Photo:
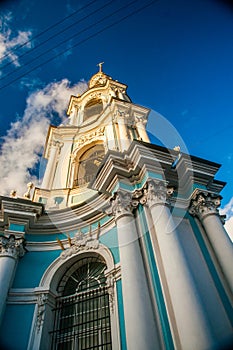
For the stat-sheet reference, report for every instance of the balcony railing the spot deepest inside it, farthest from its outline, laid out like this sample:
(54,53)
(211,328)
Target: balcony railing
(84,180)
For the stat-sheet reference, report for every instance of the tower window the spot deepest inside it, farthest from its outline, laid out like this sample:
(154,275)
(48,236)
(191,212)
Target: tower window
(88,165)
(82,316)
(94,107)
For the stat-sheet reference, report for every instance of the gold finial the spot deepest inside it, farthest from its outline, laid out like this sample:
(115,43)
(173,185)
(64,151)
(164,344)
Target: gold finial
(100,66)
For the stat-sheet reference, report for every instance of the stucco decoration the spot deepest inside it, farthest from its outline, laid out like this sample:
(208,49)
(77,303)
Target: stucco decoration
(41,300)
(79,243)
(89,137)
(110,282)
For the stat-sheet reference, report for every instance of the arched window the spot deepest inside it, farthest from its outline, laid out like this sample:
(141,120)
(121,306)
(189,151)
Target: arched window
(92,108)
(82,315)
(88,165)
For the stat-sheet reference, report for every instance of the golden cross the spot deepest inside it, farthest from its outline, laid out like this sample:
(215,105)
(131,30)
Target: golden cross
(100,66)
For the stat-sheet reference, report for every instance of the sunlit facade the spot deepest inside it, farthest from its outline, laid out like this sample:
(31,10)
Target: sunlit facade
(122,246)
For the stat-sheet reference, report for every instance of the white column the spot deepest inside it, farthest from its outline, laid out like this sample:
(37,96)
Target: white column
(125,141)
(205,207)
(141,128)
(51,165)
(109,130)
(193,331)
(74,115)
(141,330)
(10,250)
(72,170)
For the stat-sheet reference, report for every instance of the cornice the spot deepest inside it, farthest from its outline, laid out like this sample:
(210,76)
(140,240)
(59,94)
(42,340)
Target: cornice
(24,211)
(38,221)
(131,168)
(142,158)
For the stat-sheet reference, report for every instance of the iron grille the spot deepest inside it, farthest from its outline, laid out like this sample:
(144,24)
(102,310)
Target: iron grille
(82,316)
(82,322)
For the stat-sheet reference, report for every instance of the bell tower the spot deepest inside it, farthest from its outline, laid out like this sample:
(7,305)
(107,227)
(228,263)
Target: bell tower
(102,118)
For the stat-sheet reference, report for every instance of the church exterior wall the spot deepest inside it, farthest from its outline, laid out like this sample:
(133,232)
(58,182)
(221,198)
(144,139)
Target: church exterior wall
(148,219)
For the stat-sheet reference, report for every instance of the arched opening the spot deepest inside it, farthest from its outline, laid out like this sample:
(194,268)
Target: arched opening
(82,313)
(92,108)
(88,165)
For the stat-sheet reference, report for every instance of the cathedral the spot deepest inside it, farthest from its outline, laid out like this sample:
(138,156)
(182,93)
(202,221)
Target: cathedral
(122,246)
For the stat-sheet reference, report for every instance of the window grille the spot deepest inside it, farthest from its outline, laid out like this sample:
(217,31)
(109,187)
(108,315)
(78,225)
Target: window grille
(82,316)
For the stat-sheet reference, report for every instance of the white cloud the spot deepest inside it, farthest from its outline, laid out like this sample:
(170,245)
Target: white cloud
(23,144)
(10,40)
(229,227)
(228,211)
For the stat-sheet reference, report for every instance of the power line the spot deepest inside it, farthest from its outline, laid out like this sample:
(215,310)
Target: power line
(64,41)
(51,37)
(81,42)
(46,30)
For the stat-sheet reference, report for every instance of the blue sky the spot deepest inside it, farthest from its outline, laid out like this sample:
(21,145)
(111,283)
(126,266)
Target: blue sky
(176,56)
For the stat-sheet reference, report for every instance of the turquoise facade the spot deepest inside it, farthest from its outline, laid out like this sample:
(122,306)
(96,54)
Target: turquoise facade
(123,246)
(19,318)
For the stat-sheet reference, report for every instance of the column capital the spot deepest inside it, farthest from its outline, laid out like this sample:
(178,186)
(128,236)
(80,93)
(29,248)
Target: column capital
(57,144)
(122,204)
(140,119)
(156,193)
(121,116)
(204,204)
(12,247)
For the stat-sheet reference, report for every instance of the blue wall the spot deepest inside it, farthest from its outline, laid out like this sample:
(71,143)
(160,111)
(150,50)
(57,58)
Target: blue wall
(16,327)
(32,266)
(110,240)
